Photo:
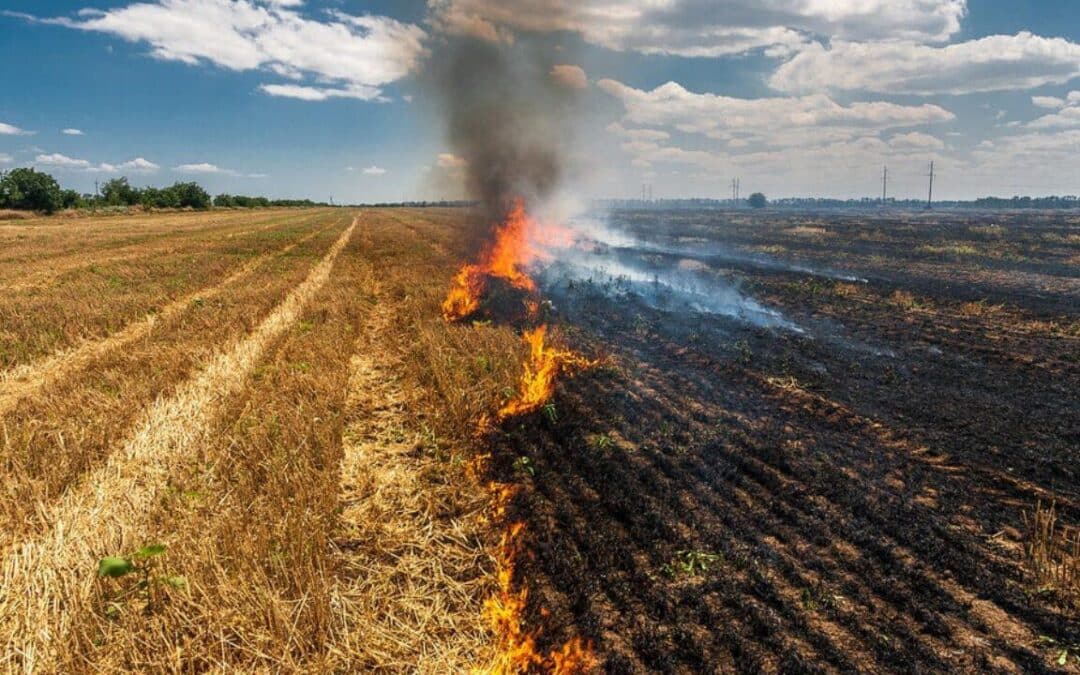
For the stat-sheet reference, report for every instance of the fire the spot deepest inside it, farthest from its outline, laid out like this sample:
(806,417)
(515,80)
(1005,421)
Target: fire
(543,367)
(516,648)
(518,242)
(505,259)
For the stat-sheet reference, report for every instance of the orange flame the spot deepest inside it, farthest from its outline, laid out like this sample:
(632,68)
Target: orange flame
(543,367)
(516,645)
(505,259)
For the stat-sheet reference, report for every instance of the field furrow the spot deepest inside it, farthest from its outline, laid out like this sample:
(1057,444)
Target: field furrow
(70,426)
(22,381)
(47,579)
(409,593)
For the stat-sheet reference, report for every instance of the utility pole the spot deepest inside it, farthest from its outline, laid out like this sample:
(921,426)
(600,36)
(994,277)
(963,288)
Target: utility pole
(930,196)
(884,185)
(738,189)
(650,193)
(643,194)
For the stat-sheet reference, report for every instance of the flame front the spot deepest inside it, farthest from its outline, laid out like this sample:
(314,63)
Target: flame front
(541,370)
(505,612)
(505,259)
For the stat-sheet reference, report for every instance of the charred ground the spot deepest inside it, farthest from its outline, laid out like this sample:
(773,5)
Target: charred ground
(852,498)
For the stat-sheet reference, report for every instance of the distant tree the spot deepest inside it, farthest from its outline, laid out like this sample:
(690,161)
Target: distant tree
(160,198)
(71,199)
(224,201)
(757,200)
(118,192)
(30,190)
(191,195)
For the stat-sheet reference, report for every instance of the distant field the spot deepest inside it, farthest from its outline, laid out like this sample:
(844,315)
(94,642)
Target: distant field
(847,486)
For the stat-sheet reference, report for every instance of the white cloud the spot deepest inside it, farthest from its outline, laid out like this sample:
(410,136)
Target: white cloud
(62,161)
(5,159)
(10,130)
(374,171)
(702,28)
(447,160)
(916,141)
(350,55)
(139,164)
(204,168)
(305,93)
(569,76)
(1067,115)
(1049,102)
(994,63)
(72,132)
(777,122)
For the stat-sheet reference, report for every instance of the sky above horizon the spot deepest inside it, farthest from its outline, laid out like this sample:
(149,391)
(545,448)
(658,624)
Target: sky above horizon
(313,98)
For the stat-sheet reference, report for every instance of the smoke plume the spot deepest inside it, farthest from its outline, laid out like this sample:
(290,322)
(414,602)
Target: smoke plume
(507,112)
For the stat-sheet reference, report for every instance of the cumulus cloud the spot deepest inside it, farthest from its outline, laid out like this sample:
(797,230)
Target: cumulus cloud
(62,162)
(349,55)
(779,122)
(72,132)
(702,28)
(994,63)
(916,141)
(374,171)
(569,76)
(305,93)
(1067,115)
(11,130)
(204,168)
(140,165)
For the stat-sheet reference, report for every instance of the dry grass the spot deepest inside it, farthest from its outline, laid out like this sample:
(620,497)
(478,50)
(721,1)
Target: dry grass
(8,214)
(301,440)
(72,420)
(1053,552)
(22,381)
(46,583)
(93,300)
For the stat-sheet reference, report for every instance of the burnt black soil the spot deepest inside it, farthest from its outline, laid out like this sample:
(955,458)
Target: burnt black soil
(727,498)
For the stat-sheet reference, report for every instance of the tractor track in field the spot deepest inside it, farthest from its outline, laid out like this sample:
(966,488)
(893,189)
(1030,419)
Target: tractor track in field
(46,579)
(410,574)
(26,380)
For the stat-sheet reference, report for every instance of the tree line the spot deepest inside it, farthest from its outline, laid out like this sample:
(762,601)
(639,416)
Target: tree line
(32,190)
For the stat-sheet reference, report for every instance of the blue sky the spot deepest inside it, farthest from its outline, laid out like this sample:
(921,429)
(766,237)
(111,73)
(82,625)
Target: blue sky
(312,98)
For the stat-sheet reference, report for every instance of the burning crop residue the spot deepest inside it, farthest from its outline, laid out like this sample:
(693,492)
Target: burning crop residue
(505,611)
(505,260)
(498,286)
(541,370)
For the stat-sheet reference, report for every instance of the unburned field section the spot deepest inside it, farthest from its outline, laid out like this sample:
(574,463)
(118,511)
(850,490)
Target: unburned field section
(722,497)
(53,437)
(61,243)
(277,578)
(92,299)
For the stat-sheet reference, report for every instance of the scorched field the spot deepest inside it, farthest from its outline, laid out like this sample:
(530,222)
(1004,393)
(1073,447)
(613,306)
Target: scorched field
(643,441)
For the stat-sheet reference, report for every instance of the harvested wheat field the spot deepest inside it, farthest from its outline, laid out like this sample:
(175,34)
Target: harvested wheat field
(311,440)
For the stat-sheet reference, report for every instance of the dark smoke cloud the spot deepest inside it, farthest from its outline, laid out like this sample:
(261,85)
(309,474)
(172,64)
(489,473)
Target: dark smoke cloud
(505,114)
